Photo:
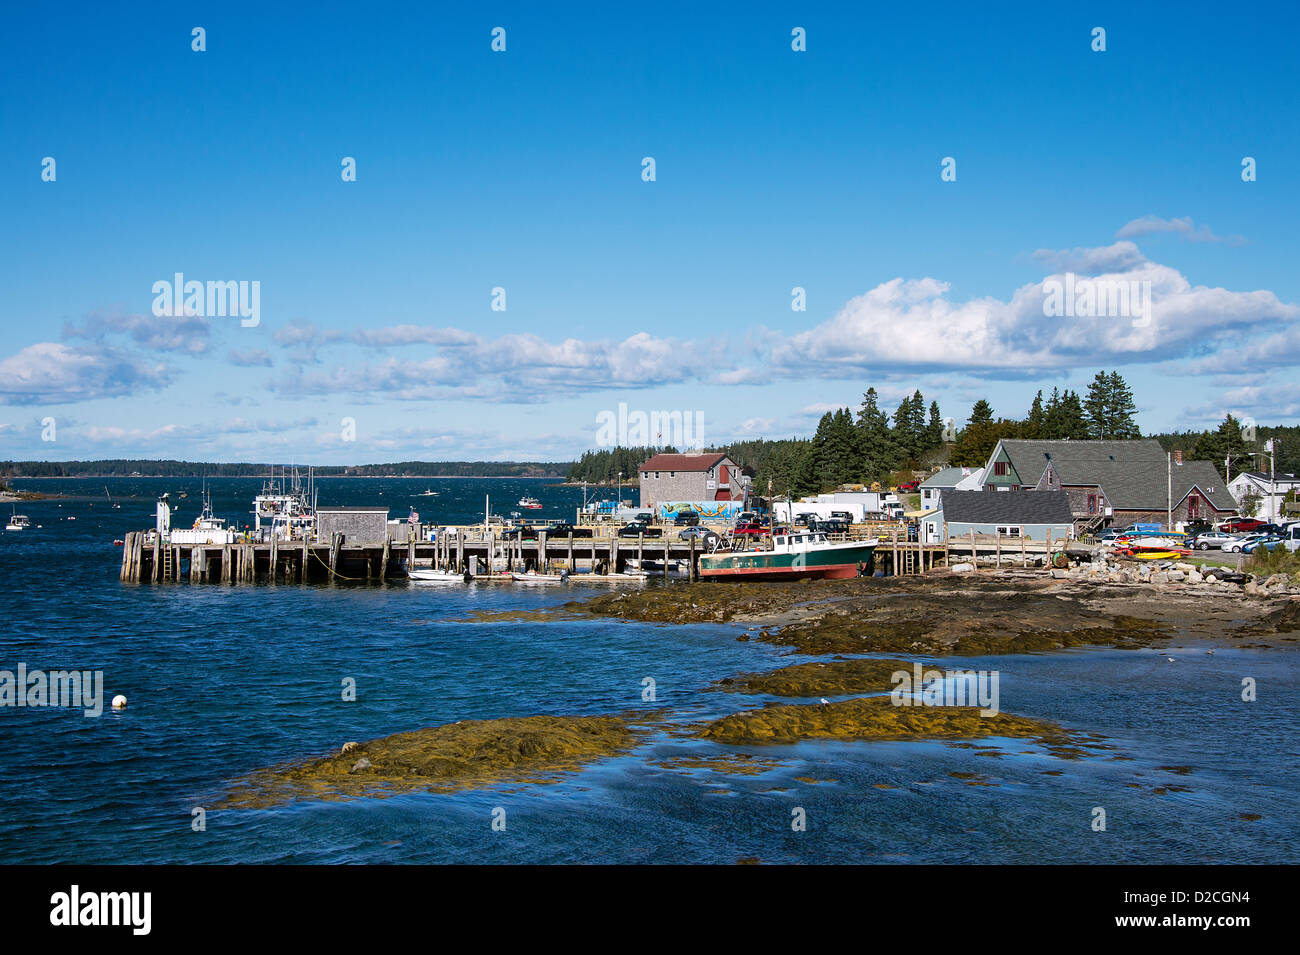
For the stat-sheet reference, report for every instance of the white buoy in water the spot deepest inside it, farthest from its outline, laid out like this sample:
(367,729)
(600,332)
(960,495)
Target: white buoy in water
(119,702)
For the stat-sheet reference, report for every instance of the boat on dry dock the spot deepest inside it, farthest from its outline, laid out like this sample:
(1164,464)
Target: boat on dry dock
(791,557)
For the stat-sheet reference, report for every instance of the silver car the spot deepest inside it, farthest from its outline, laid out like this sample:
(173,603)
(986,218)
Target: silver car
(1213,539)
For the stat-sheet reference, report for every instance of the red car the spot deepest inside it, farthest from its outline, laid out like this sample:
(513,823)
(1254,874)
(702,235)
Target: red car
(908,488)
(1241,525)
(749,529)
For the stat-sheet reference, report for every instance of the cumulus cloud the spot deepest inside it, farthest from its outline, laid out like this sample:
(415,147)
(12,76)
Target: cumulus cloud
(1120,257)
(184,333)
(303,340)
(54,373)
(515,368)
(915,324)
(1150,225)
(252,358)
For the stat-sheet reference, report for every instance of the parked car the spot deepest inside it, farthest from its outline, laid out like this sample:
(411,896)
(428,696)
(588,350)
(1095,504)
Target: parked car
(564,529)
(1269,529)
(746,517)
(802,518)
(698,532)
(645,517)
(637,529)
(1262,542)
(1211,539)
(908,488)
(522,531)
(828,525)
(1239,545)
(686,519)
(1240,525)
(844,516)
(752,529)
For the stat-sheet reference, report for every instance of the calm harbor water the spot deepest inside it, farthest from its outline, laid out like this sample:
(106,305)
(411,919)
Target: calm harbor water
(225,680)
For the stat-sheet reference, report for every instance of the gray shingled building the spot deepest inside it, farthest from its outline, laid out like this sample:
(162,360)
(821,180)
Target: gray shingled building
(1115,482)
(1031,515)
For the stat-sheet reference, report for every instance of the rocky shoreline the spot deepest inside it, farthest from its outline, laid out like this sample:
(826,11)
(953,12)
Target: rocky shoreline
(941,615)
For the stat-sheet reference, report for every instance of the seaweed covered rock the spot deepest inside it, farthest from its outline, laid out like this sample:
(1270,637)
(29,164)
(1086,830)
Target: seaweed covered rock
(872,718)
(832,678)
(441,758)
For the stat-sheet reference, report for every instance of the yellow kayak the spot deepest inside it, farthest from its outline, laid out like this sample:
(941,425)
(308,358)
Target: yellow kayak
(1157,555)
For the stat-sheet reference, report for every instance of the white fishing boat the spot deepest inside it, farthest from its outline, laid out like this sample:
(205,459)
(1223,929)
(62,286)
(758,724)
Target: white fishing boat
(286,507)
(427,493)
(535,578)
(531,503)
(18,522)
(206,529)
(430,576)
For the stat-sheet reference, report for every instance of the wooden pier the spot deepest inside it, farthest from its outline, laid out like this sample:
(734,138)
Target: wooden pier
(148,557)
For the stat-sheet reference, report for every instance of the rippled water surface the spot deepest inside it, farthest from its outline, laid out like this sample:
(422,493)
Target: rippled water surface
(225,680)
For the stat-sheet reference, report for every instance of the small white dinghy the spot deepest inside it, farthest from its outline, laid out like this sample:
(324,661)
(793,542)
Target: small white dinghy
(535,578)
(439,576)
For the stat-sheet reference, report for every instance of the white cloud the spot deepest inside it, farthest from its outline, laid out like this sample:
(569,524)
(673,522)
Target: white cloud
(189,334)
(252,358)
(54,373)
(514,368)
(1149,225)
(914,324)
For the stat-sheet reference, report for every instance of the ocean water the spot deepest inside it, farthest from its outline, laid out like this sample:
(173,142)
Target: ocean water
(226,680)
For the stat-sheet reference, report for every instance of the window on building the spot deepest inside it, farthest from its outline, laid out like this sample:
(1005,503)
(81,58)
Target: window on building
(672,474)
(1092,503)
(1001,468)
(1193,507)
(1009,530)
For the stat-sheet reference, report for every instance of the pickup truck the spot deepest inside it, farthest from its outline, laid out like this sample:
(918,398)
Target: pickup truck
(637,529)
(686,518)
(753,529)
(558,529)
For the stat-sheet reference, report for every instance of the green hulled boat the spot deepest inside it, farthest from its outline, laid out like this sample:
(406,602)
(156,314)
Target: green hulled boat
(791,557)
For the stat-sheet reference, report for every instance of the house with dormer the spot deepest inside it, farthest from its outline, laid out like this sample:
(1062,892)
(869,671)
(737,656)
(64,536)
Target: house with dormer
(1113,482)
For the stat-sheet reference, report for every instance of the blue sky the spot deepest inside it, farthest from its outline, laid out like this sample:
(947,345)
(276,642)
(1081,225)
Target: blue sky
(523,170)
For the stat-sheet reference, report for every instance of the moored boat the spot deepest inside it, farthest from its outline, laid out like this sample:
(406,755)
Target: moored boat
(428,575)
(531,503)
(535,578)
(18,522)
(791,557)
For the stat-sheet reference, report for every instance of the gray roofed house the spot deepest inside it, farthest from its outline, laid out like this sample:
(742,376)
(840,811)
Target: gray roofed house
(948,479)
(1121,480)
(1032,515)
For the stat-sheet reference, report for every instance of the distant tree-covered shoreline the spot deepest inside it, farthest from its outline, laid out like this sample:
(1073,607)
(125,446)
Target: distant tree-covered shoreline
(179,469)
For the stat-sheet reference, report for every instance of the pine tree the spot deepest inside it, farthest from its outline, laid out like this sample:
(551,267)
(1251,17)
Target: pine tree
(1222,444)
(1036,416)
(1110,408)
(879,453)
(981,413)
(934,430)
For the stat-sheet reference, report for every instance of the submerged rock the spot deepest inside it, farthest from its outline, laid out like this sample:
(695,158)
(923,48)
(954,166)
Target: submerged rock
(440,759)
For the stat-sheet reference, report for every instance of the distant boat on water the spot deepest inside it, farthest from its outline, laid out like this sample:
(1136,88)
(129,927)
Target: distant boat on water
(531,503)
(427,493)
(18,522)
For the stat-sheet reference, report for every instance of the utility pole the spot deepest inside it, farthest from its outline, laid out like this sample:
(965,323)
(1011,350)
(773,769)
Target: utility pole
(1270,447)
(1169,513)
